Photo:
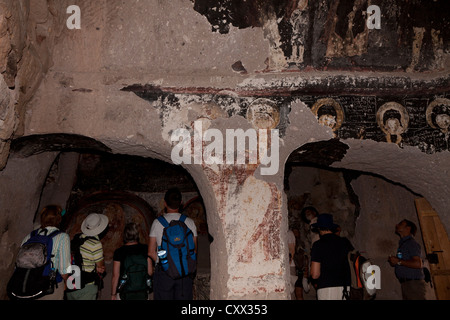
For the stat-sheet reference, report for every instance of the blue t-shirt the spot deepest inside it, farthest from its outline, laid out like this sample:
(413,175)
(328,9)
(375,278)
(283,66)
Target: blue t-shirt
(407,249)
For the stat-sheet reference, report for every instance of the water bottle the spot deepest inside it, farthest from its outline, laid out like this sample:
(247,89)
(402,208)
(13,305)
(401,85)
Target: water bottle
(399,255)
(162,255)
(122,282)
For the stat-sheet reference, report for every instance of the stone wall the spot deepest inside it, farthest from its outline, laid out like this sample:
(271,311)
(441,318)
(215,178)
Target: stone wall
(138,70)
(327,191)
(21,183)
(28,30)
(383,205)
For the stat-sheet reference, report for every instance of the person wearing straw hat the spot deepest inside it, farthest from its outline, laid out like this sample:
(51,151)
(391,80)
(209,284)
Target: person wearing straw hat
(92,253)
(329,263)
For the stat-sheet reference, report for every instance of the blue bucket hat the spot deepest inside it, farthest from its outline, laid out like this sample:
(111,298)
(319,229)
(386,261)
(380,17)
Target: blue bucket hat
(325,221)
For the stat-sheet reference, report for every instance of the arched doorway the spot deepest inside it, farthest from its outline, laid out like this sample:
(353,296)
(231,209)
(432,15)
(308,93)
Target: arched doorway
(131,189)
(83,176)
(365,204)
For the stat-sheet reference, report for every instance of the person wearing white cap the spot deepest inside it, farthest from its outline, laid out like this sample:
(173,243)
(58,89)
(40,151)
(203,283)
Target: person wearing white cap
(92,254)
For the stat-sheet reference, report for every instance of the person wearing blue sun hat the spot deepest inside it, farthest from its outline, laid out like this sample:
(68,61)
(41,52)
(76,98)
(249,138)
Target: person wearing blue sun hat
(329,262)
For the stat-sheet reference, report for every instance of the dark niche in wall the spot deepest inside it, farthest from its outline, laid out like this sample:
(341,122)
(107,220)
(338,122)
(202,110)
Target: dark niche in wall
(106,173)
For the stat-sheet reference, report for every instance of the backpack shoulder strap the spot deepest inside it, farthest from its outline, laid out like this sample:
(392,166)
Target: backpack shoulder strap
(183,218)
(42,232)
(79,240)
(74,243)
(54,233)
(352,260)
(358,266)
(163,221)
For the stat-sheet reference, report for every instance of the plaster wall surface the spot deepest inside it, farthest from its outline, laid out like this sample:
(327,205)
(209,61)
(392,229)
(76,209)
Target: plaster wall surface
(423,174)
(27,33)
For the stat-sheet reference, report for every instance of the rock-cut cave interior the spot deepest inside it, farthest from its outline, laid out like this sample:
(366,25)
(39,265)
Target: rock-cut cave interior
(361,116)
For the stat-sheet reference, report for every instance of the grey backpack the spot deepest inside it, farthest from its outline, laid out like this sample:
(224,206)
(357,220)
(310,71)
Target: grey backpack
(34,275)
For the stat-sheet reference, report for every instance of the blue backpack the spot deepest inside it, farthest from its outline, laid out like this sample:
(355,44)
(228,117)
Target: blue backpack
(34,275)
(178,242)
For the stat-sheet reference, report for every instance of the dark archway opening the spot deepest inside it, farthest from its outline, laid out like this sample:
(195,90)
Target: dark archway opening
(131,189)
(365,205)
(86,177)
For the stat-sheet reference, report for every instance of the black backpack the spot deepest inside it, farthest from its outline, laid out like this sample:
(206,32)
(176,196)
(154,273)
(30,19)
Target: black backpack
(34,275)
(135,278)
(77,260)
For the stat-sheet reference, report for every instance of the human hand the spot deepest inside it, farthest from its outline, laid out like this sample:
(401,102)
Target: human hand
(393,260)
(101,269)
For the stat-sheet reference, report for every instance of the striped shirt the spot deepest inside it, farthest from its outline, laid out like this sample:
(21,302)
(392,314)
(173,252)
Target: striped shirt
(92,252)
(61,257)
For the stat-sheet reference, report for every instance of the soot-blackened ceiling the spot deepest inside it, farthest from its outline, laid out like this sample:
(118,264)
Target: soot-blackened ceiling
(406,108)
(58,142)
(332,34)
